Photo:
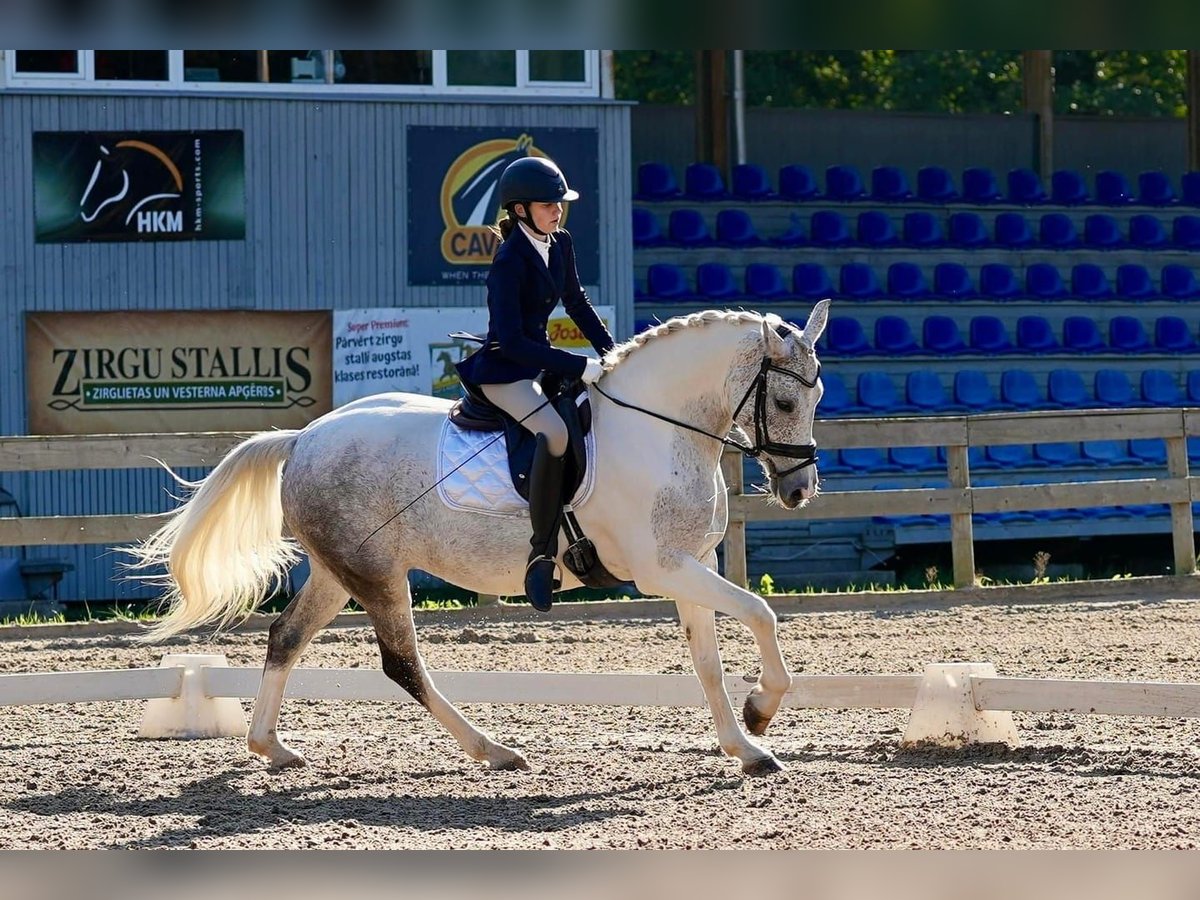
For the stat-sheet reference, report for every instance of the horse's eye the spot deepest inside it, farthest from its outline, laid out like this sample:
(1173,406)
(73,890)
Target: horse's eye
(784,406)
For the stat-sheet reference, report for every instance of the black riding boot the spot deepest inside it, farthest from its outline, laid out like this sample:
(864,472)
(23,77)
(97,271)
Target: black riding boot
(545,514)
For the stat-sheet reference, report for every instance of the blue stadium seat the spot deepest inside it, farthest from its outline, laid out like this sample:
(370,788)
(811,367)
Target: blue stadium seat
(1107,453)
(868,459)
(1043,282)
(656,181)
(1147,232)
(736,229)
(1161,388)
(973,392)
(1102,232)
(764,282)
(916,459)
(988,335)
(1154,189)
(1186,232)
(1179,282)
(1024,186)
(889,184)
(1134,282)
(858,280)
(831,460)
(1089,282)
(940,334)
(703,181)
(646,230)
(922,229)
(952,280)
(1034,335)
(906,280)
(1067,188)
(1080,335)
(998,281)
(979,185)
(1126,335)
(926,393)
(1172,335)
(1150,451)
(1190,188)
(877,393)
(796,182)
(751,182)
(875,229)
(844,183)
(936,185)
(1193,387)
(829,228)
(666,281)
(1059,453)
(795,235)
(836,399)
(1065,388)
(1114,389)
(894,337)
(1013,456)
(1112,188)
(811,281)
(1012,230)
(845,337)
(715,281)
(968,231)
(687,228)
(1058,232)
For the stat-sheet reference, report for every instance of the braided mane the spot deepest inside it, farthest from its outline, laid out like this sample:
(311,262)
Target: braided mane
(679,323)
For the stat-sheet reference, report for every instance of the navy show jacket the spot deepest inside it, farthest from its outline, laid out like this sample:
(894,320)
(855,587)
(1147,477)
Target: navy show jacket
(522,292)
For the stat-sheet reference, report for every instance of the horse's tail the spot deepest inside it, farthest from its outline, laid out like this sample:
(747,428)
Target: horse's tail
(224,548)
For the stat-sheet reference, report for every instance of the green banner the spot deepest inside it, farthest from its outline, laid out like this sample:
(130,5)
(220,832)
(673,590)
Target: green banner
(152,395)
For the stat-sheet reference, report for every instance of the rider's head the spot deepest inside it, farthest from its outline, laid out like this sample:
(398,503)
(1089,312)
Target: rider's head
(533,187)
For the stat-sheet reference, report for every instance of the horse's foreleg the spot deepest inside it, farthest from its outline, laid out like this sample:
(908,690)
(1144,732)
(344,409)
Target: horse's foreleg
(313,608)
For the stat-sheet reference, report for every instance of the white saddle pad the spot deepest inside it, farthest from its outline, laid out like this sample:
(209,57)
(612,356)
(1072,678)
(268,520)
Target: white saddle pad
(473,473)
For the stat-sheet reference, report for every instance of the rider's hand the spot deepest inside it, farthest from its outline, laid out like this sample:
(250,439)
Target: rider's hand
(592,371)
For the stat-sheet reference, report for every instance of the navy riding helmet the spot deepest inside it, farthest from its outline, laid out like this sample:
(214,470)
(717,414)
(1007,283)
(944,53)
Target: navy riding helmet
(533,179)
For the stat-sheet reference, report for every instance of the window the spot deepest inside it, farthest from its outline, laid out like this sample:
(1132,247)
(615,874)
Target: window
(131,65)
(556,65)
(47,62)
(220,65)
(387,66)
(497,68)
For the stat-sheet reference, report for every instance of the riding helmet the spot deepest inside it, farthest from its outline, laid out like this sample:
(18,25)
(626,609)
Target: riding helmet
(534,179)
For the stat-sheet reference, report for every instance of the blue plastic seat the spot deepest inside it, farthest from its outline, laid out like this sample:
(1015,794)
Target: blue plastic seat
(836,399)
(1043,282)
(1058,232)
(1193,387)
(859,280)
(1080,335)
(988,335)
(1034,335)
(845,337)
(889,184)
(1112,188)
(1185,232)
(1147,232)
(646,230)
(666,281)
(1179,282)
(940,334)
(922,229)
(1114,389)
(868,459)
(1089,282)
(736,229)
(829,228)
(1126,335)
(894,337)
(795,235)
(875,229)
(687,228)
(952,280)
(765,282)
(936,185)
(844,183)
(1150,451)
(1107,453)
(1065,388)
(751,182)
(796,182)
(968,231)
(1060,453)
(656,181)
(1012,456)
(1134,282)
(811,281)
(998,281)
(1067,188)
(1172,335)
(906,280)
(1024,186)
(877,393)
(915,459)
(715,281)
(1102,232)
(926,392)
(973,392)
(1161,388)
(1012,230)
(1154,189)
(979,185)
(1189,186)
(703,181)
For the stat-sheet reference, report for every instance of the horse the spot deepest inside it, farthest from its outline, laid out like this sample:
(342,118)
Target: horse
(110,182)
(658,511)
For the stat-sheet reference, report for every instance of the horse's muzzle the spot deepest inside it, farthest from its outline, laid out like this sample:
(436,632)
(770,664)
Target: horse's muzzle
(798,488)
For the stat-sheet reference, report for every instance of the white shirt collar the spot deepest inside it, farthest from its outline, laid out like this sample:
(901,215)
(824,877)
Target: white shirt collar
(541,245)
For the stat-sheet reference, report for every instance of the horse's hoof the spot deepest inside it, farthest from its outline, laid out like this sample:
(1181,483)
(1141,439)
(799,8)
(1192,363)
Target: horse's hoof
(288,761)
(756,722)
(764,765)
(513,762)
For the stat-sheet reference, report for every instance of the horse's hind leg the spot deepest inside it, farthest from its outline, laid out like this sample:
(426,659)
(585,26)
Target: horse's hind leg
(391,614)
(312,609)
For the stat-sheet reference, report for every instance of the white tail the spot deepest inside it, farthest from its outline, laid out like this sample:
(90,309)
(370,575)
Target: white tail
(224,548)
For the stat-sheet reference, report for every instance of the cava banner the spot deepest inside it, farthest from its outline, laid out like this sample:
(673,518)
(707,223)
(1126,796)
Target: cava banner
(111,372)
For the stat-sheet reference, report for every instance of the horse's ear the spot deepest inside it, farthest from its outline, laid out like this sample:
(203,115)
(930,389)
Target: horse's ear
(815,326)
(775,336)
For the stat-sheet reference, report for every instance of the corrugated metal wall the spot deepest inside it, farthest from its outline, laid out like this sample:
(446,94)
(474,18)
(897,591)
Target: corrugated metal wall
(326,228)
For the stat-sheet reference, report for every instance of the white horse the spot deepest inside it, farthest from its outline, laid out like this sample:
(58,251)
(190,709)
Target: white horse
(656,515)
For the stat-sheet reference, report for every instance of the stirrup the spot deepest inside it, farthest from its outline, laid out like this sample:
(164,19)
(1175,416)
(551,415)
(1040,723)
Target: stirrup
(542,604)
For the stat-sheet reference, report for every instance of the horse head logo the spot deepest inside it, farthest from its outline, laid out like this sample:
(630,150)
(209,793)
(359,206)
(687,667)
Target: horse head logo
(119,184)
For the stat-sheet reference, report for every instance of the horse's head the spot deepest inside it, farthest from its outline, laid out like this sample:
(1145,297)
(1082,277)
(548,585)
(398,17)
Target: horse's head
(108,184)
(787,404)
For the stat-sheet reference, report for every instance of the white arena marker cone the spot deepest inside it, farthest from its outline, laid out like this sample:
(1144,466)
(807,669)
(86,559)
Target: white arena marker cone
(944,712)
(193,714)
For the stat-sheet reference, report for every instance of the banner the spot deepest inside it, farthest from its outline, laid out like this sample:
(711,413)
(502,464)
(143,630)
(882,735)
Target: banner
(452,198)
(380,350)
(220,370)
(138,186)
